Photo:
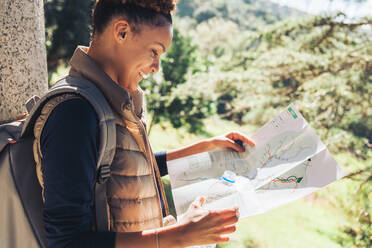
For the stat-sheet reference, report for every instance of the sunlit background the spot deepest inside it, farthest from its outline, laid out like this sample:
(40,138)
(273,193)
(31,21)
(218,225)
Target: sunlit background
(353,9)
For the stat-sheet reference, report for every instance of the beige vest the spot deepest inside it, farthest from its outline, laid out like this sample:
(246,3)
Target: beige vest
(132,190)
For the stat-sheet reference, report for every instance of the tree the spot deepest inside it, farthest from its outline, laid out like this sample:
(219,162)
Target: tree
(320,63)
(204,13)
(67,25)
(22,54)
(323,65)
(169,97)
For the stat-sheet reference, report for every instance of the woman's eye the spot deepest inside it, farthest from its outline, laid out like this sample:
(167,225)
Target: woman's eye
(155,53)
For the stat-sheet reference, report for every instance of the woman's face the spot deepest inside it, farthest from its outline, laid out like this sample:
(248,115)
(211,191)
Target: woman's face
(138,54)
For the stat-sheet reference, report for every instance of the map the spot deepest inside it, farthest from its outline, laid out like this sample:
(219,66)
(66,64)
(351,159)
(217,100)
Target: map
(292,179)
(288,162)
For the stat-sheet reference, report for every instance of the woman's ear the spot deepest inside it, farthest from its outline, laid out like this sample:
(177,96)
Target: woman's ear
(121,30)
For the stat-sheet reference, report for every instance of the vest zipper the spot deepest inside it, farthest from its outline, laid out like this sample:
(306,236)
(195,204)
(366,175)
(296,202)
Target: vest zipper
(150,159)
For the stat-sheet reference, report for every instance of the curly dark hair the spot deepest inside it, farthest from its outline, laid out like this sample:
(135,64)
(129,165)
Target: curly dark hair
(157,13)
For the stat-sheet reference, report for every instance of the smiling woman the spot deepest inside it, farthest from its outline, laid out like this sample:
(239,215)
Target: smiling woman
(128,39)
(128,55)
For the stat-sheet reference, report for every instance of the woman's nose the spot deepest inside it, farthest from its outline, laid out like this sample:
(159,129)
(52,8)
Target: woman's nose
(155,66)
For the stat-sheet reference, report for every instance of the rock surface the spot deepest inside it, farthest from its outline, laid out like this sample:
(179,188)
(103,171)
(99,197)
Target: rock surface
(23,68)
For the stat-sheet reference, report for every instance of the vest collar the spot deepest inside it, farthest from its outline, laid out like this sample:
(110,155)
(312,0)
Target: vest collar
(120,99)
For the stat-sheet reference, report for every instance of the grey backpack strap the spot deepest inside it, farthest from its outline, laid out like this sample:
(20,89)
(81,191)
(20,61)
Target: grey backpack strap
(107,127)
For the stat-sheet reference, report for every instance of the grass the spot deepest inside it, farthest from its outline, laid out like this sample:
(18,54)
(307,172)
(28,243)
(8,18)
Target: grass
(302,223)
(315,221)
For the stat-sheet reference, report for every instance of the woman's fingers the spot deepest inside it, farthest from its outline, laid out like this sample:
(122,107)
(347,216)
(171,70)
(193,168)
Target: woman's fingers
(230,220)
(199,201)
(225,216)
(227,230)
(222,239)
(227,212)
(212,227)
(230,141)
(231,144)
(239,136)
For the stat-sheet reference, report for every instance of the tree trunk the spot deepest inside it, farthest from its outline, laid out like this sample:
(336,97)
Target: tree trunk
(23,69)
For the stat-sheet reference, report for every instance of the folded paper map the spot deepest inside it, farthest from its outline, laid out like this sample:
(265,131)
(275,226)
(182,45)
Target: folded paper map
(288,162)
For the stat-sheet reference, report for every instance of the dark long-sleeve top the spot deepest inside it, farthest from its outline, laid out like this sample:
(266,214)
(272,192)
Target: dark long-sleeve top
(69,144)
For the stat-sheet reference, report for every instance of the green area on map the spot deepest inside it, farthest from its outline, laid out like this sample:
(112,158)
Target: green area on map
(292,113)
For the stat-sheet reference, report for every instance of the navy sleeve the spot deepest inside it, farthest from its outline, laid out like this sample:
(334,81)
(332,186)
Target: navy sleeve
(69,144)
(161,160)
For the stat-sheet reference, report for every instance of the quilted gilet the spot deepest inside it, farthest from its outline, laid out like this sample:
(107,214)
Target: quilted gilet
(132,190)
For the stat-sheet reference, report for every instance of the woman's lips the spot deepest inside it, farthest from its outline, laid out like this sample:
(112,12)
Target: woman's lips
(143,75)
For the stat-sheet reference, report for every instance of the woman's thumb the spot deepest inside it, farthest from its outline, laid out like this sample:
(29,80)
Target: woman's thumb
(199,201)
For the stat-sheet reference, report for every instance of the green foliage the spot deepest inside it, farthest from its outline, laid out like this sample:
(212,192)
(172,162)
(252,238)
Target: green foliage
(358,207)
(204,13)
(320,63)
(246,13)
(67,24)
(359,235)
(186,8)
(169,97)
(178,60)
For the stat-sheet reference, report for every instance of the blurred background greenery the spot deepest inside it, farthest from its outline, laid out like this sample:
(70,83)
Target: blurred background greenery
(233,65)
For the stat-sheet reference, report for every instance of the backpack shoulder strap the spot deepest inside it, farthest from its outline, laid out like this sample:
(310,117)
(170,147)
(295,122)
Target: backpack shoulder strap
(107,127)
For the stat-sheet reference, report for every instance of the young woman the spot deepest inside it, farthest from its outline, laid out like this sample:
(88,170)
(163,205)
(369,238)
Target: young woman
(128,39)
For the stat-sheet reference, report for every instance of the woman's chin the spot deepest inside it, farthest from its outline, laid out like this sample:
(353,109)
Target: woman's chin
(132,88)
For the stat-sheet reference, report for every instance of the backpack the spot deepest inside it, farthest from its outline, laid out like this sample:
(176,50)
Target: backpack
(21,214)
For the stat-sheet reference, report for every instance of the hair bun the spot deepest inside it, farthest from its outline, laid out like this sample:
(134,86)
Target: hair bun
(164,6)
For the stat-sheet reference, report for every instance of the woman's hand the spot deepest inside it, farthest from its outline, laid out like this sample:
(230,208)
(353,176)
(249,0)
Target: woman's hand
(220,142)
(201,226)
(198,226)
(229,141)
